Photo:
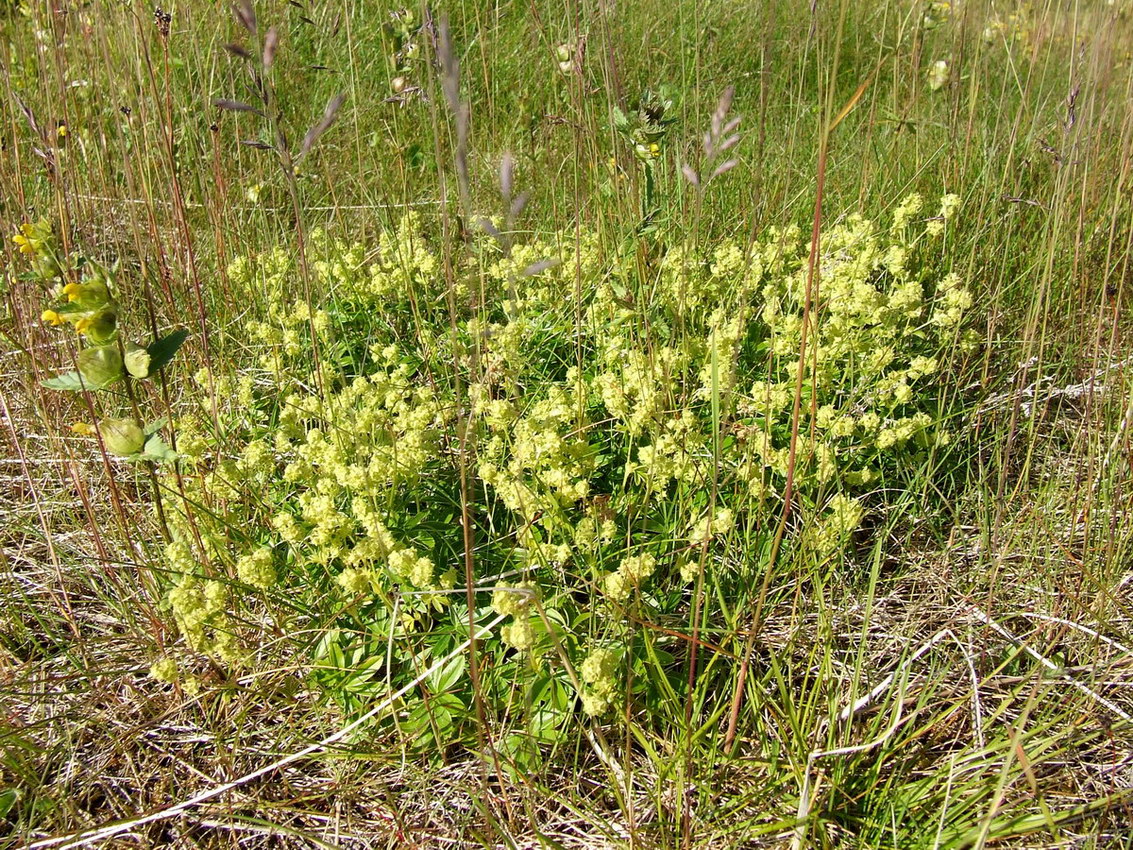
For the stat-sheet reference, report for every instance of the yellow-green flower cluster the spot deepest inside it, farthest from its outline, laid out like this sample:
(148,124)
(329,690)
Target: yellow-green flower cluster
(842,517)
(201,610)
(727,329)
(284,334)
(712,525)
(165,669)
(876,328)
(530,279)
(405,265)
(594,531)
(637,386)
(179,557)
(539,462)
(631,572)
(684,288)
(407,565)
(953,299)
(344,456)
(516,602)
(598,673)
(575,424)
(676,453)
(257,568)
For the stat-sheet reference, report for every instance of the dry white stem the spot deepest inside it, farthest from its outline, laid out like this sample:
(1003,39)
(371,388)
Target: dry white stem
(1093,385)
(1078,627)
(850,710)
(807,795)
(1048,664)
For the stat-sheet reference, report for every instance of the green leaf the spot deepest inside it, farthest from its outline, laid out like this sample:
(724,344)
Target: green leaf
(156,449)
(156,425)
(447,675)
(8,799)
(364,679)
(161,351)
(71,382)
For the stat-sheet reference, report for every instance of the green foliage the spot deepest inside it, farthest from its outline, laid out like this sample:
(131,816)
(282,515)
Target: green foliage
(67,382)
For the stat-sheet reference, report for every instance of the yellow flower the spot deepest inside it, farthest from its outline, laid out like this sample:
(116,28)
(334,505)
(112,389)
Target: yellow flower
(83,429)
(82,324)
(23,240)
(52,317)
(73,291)
(36,241)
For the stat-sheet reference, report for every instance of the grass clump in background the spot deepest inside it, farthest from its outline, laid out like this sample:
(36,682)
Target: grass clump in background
(558,451)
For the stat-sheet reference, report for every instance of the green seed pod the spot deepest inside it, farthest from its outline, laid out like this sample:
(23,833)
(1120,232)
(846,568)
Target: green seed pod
(122,437)
(102,327)
(101,366)
(137,360)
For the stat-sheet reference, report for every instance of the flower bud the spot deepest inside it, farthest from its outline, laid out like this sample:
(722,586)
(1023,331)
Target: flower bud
(564,57)
(122,437)
(398,85)
(137,360)
(100,366)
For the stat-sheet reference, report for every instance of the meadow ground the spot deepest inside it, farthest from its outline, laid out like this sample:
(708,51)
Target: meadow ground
(582,424)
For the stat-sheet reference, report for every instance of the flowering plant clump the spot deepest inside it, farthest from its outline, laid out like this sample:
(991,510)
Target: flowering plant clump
(81,295)
(610,448)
